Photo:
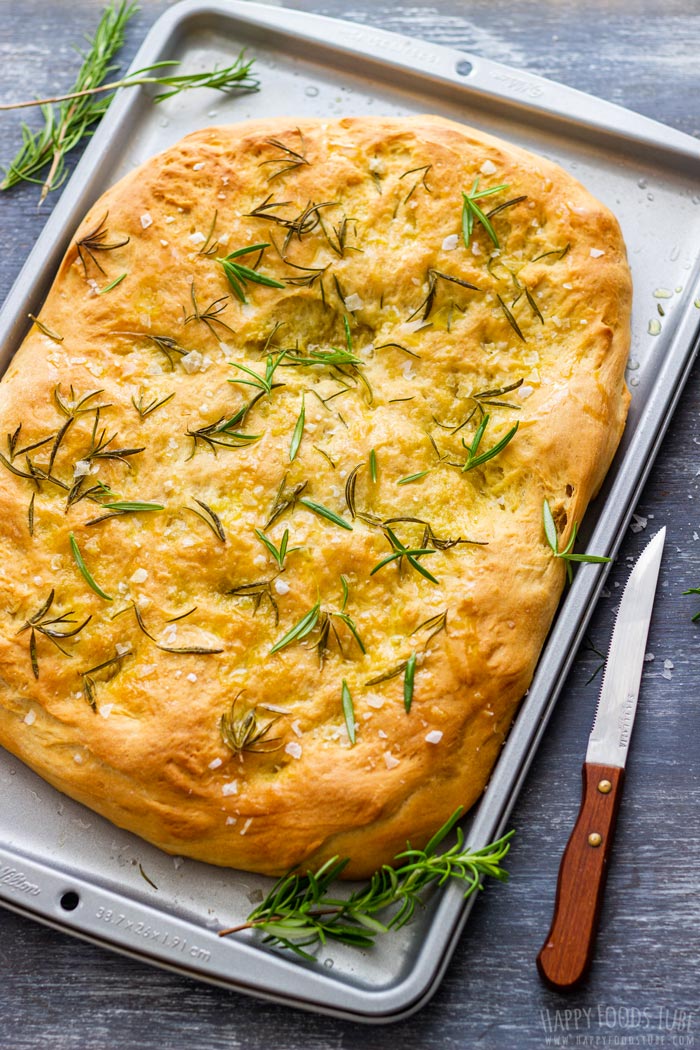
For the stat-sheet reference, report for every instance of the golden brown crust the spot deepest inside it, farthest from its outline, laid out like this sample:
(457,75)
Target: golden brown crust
(363,221)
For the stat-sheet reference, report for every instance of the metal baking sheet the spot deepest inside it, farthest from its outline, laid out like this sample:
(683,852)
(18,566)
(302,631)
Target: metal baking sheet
(60,863)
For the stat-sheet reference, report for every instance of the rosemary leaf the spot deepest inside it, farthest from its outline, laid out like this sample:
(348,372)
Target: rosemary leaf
(298,432)
(408,680)
(324,512)
(80,562)
(300,629)
(348,712)
(112,284)
(566,555)
(373,465)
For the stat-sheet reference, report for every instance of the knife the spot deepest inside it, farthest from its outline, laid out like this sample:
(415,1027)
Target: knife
(566,954)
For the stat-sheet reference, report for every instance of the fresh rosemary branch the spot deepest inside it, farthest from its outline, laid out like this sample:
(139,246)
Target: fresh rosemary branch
(550,531)
(69,118)
(301,910)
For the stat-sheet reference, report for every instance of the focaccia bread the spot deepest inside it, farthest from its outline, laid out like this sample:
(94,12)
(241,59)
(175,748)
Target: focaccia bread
(273,572)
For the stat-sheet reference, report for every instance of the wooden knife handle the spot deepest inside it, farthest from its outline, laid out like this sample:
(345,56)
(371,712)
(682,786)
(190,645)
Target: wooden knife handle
(566,954)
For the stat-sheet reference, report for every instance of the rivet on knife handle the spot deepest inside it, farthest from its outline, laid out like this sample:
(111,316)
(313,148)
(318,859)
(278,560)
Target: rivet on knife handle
(566,954)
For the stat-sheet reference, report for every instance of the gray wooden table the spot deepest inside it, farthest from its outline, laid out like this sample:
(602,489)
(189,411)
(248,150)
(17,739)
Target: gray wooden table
(645,986)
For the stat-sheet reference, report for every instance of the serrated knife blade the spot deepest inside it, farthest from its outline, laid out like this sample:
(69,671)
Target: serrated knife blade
(566,955)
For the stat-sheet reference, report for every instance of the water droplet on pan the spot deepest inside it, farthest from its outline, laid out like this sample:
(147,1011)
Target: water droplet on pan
(311,91)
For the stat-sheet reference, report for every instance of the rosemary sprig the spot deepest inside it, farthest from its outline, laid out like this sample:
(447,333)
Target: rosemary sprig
(411,554)
(102,672)
(68,118)
(210,315)
(566,555)
(300,910)
(472,211)
(264,383)
(307,220)
(427,305)
(323,621)
(220,434)
(278,553)
(152,406)
(285,499)
(257,590)
(97,240)
(239,276)
(477,459)
(41,623)
(289,158)
(247,732)
(80,562)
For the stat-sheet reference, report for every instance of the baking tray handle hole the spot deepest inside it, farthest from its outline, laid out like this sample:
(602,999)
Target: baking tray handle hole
(69,900)
(463,67)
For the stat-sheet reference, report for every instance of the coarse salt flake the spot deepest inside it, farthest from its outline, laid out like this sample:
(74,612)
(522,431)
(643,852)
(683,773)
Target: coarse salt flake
(295,727)
(198,166)
(281,586)
(526,391)
(123,648)
(30,718)
(81,468)
(192,362)
(434,736)
(638,523)
(105,710)
(146,220)
(595,253)
(488,168)
(215,763)
(230,788)
(293,749)
(197,238)
(450,243)
(191,677)
(231,820)
(353,302)
(390,761)
(140,576)
(247,824)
